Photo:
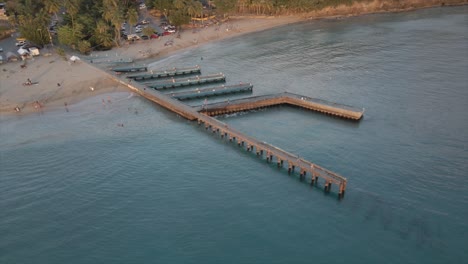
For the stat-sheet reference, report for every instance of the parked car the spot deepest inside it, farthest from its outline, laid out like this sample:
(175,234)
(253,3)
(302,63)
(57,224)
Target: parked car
(154,36)
(142,6)
(1,49)
(144,22)
(133,37)
(166,33)
(144,37)
(30,45)
(138,30)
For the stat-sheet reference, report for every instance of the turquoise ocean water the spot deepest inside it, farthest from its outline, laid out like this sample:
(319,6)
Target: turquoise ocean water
(77,188)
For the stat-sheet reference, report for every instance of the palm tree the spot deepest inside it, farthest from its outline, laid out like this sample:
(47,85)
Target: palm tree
(102,35)
(132,17)
(52,6)
(192,10)
(180,4)
(113,13)
(72,6)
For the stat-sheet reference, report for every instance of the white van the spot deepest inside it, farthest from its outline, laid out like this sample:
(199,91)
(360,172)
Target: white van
(133,37)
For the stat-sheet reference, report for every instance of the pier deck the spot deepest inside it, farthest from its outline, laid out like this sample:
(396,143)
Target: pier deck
(213,91)
(305,102)
(135,68)
(179,82)
(166,73)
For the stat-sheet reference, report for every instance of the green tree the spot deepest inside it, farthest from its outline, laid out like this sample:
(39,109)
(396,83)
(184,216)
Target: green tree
(148,31)
(34,28)
(132,17)
(165,6)
(52,6)
(179,18)
(102,35)
(84,46)
(113,13)
(72,7)
(225,6)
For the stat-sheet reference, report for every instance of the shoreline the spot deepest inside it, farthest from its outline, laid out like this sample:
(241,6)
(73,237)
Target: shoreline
(79,81)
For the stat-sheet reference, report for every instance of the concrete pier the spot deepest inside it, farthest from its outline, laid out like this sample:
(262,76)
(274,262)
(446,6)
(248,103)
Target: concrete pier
(230,134)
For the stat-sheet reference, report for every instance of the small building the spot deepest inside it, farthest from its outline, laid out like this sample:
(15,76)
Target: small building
(34,51)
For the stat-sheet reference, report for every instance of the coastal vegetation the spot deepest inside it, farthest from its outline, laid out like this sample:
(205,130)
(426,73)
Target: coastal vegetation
(85,25)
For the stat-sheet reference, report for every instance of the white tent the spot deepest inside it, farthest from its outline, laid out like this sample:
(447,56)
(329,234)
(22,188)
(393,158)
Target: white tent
(23,52)
(74,58)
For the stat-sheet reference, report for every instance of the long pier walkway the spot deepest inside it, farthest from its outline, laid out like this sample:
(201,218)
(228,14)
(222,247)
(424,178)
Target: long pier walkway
(262,149)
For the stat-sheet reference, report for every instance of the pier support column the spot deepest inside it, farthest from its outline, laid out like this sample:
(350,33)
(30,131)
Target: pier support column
(341,191)
(343,188)
(230,138)
(302,174)
(279,162)
(313,174)
(268,156)
(327,186)
(289,167)
(314,180)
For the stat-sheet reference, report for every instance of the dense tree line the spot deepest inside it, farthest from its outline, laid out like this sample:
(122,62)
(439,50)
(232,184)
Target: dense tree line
(88,24)
(267,7)
(85,24)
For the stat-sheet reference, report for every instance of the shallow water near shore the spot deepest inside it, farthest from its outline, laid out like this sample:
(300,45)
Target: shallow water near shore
(75,187)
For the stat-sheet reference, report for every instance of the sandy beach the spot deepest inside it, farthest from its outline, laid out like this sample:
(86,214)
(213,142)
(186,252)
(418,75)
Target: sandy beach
(60,82)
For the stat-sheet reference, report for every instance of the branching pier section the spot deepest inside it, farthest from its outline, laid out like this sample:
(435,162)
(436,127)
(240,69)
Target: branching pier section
(263,101)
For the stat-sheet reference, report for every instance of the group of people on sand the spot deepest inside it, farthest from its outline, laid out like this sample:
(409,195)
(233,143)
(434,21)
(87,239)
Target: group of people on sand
(36,104)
